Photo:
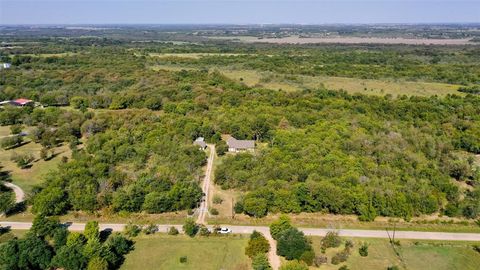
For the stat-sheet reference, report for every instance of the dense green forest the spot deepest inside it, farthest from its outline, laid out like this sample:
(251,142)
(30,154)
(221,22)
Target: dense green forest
(319,150)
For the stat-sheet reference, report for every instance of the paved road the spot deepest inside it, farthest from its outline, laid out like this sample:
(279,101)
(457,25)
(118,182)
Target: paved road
(203,209)
(308,231)
(19,194)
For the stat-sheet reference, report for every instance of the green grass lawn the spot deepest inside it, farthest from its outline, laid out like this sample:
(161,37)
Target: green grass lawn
(164,251)
(414,255)
(4,237)
(27,178)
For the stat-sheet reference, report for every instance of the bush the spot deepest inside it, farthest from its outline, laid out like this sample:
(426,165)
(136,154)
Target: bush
(172,231)
(363,250)
(257,244)
(260,262)
(319,260)
(340,257)
(393,267)
(132,230)
(214,211)
(343,267)
(11,141)
(183,259)
(348,244)
(217,199)
(15,129)
(294,265)
(331,240)
(150,229)
(292,244)
(308,257)
(22,160)
(204,231)
(190,227)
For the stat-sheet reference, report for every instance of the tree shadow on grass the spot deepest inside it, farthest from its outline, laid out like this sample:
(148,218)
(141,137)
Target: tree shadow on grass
(16,209)
(17,145)
(104,234)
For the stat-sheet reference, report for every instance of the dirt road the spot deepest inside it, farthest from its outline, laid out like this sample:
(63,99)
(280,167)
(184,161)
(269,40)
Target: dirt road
(203,209)
(19,194)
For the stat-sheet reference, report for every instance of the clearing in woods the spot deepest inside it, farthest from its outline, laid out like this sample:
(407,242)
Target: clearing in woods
(275,81)
(27,178)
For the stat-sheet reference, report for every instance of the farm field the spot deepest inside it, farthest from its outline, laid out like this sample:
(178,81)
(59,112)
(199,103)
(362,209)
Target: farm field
(414,255)
(192,55)
(346,40)
(288,83)
(164,252)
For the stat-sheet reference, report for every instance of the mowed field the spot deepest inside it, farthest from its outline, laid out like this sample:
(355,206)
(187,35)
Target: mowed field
(270,80)
(162,251)
(346,40)
(414,255)
(27,178)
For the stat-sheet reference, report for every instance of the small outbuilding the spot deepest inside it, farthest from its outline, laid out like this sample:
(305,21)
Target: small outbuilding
(235,145)
(5,65)
(200,141)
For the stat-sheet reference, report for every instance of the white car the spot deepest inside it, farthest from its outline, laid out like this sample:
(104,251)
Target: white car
(224,230)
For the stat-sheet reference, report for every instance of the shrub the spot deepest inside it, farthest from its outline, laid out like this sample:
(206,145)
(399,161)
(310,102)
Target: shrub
(363,250)
(190,227)
(331,240)
(319,260)
(257,244)
(15,129)
(204,231)
(308,257)
(22,160)
(260,262)
(294,265)
(214,211)
(393,267)
(217,199)
(348,244)
(150,229)
(172,231)
(132,230)
(11,141)
(343,267)
(183,259)
(292,244)
(340,257)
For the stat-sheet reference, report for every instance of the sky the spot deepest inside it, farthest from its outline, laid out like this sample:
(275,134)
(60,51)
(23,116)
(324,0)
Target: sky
(237,11)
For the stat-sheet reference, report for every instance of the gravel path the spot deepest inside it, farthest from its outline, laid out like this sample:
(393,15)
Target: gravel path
(19,194)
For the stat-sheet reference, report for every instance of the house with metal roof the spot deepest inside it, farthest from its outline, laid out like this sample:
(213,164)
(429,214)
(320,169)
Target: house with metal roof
(200,141)
(235,145)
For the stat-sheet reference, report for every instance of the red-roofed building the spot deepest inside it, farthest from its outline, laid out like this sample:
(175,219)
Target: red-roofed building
(21,102)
